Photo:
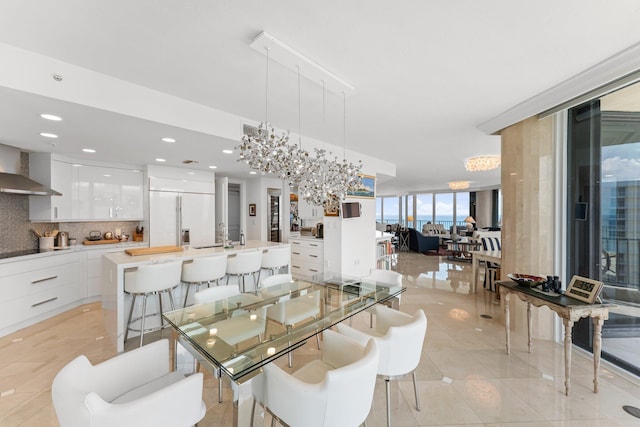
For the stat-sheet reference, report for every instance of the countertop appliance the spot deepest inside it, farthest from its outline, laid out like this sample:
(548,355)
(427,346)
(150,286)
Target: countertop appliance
(62,239)
(320,230)
(180,217)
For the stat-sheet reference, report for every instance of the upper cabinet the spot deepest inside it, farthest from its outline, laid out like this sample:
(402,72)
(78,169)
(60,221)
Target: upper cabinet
(60,176)
(89,192)
(107,193)
(306,210)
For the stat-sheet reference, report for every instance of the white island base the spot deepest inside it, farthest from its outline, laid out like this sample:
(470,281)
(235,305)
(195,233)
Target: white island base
(116,303)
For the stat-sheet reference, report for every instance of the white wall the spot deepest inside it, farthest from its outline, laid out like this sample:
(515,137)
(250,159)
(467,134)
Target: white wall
(350,244)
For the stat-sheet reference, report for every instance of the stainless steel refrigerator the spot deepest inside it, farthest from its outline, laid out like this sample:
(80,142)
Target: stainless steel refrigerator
(181,218)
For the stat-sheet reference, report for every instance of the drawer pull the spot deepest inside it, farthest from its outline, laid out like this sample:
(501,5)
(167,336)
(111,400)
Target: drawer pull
(314,270)
(295,266)
(295,243)
(296,253)
(34,282)
(44,302)
(313,256)
(313,244)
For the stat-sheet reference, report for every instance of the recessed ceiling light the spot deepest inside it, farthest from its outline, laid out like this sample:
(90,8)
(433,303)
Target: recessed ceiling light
(252,173)
(51,117)
(168,140)
(227,151)
(161,160)
(213,167)
(88,150)
(76,165)
(191,173)
(107,175)
(48,135)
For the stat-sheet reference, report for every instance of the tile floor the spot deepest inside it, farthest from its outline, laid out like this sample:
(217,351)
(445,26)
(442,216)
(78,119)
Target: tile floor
(465,377)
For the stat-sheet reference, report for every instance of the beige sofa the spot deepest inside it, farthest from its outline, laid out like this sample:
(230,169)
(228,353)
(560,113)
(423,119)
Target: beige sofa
(434,229)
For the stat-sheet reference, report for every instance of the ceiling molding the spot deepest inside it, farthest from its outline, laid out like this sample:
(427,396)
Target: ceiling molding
(603,74)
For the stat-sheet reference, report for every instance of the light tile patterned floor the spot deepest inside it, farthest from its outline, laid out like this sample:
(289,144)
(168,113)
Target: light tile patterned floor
(465,377)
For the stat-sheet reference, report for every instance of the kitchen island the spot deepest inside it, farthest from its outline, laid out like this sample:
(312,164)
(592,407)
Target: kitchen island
(116,304)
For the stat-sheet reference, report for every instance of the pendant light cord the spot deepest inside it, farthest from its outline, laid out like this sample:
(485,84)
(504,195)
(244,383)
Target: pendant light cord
(299,112)
(266,95)
(344,127)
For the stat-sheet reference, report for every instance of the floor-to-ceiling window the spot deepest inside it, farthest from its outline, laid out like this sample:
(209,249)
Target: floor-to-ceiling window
(424,209)
(604,216)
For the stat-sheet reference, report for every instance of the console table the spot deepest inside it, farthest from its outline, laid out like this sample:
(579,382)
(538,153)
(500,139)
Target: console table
(460,250)
(570,310)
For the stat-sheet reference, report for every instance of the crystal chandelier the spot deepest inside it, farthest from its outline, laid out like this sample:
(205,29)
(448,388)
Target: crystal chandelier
(328,182)
(459,185)
(321,181)
(265,151)
(482,163)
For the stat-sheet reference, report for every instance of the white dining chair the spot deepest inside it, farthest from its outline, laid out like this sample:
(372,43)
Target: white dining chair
(400,338)
(383,277)
(335,390)
(133,389)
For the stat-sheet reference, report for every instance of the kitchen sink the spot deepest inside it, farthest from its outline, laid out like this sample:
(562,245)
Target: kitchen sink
(215,245)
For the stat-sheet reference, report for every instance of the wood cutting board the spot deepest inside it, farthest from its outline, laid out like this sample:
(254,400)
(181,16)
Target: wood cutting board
(152,251)
(101,242)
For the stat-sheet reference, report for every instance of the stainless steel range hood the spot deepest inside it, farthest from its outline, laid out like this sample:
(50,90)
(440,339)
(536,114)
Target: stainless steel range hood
(19,184)
(12,182)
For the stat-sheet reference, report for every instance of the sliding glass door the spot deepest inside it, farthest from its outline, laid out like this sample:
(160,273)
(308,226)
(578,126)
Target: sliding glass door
(604,216)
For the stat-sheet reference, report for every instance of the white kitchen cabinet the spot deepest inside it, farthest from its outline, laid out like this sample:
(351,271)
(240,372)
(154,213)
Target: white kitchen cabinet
(60,176)
(107,193)
(35,289)
(306,210)
(89,192)
(307,256)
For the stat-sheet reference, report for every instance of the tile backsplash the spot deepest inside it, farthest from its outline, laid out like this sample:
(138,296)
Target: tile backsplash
(16,229)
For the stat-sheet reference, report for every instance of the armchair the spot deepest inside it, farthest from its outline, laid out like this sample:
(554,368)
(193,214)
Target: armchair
(419,242)
(132,389)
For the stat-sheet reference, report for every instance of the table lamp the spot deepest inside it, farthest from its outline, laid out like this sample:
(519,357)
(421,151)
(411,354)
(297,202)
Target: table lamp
(470,221)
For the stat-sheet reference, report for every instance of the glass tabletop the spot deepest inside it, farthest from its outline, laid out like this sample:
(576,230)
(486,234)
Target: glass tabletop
(242,333)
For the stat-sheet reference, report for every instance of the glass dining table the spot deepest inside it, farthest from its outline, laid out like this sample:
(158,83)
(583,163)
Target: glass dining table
(236,336)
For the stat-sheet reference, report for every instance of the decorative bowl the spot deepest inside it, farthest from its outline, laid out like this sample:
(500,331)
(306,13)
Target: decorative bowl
(528,280)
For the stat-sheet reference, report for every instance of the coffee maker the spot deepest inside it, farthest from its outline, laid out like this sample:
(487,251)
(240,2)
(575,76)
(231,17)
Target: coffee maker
(319,230)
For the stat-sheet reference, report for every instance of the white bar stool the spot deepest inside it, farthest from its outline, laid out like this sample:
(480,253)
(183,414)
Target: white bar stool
(274,260)
(203,271)
(152,279)
(244,264)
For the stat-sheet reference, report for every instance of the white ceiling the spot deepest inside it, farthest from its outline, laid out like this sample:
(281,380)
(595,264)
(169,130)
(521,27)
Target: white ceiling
(426,73)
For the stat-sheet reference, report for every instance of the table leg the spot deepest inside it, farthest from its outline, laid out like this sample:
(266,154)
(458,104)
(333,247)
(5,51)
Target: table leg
(568,330)
(597,346)
(474,273)
(507,320)
(242,402)
(529,327)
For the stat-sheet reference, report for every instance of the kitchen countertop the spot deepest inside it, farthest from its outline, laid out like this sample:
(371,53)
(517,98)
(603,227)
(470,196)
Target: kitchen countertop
(23,255)
(121,258)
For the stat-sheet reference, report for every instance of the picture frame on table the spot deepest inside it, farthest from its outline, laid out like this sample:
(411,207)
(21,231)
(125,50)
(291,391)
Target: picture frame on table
(252,209)
(584,289)
(367,190)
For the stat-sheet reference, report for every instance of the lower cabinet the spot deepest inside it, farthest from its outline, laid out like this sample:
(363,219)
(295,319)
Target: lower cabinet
(93,265)
(31,289)
(307,256)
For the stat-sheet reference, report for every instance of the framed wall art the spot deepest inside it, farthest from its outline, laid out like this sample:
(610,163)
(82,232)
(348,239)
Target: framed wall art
(367,190)
(252,209)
